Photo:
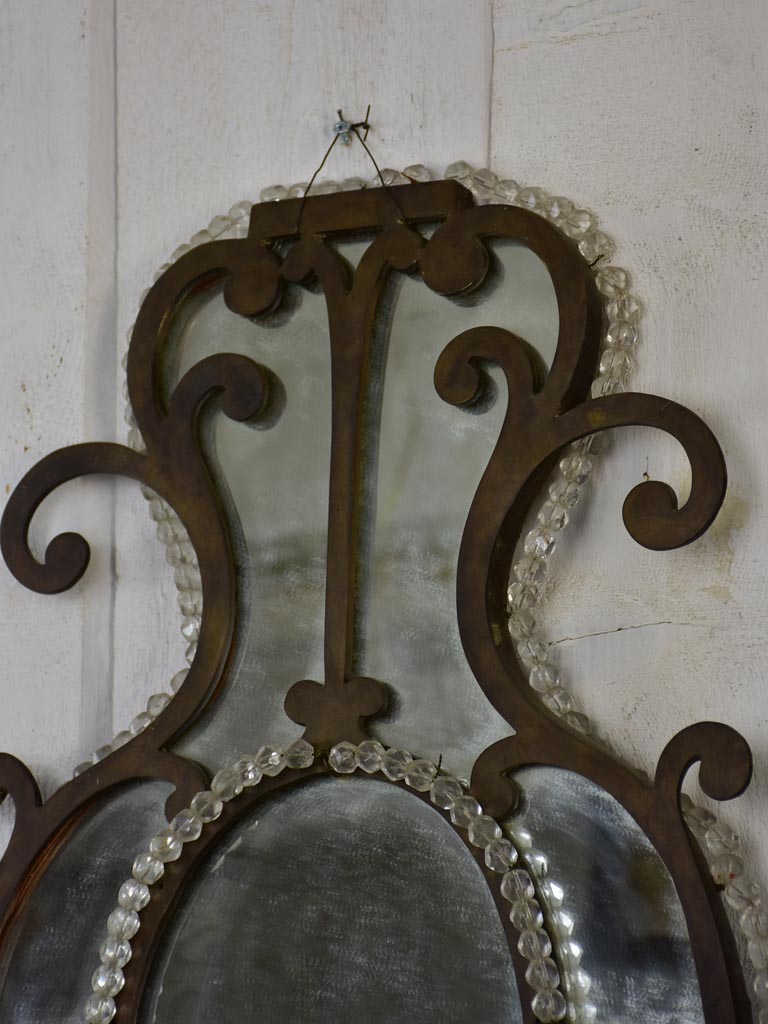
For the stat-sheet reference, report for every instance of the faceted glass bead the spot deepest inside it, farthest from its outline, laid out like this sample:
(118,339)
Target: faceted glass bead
(507,190)
(520,836)
(576,467)
(758,953)
(543,677)
(201,238)
(621,335)
(616,363)
(579,222)
(246,769)
(121,739)
(726,868)
(273,193)
(240,210)
(611,280)
(178,679)
(464,809)
(579,981)
(530,569)
(395,763)
(300,754)
(122,923)
(140,723)
(565,492)
(115,952)
(83,767)
(459,170)
(754,923)
(585,1014)
(101,752)
(420,774)
(521,596)
(556,207)
(107,981)
(157,703)
(553,515)
(595,244)
(483,830)
(563,923)
(218,226)
(534,944)
(522,624)
(623,307)
(166,846)
(570,954)
(531,651)
(485,177)
(206,806)
(187,826)
(391,177)
(720,839)
(553,893)
(742,893)
(537,863)
(297,191)
(549,1006)
(558,700)
(100,1009)
(444,790)
(500,855)
(190,627)
(133,895)
(577,721)
(516,885)
(417,172)
(606,386)
(539,542)
(700,817)
(531,198)
(526,915)
(270,760)
(352,184)
(226,784)
(542,975)
(760,985)
(370,756)
(343,758)
(147,868)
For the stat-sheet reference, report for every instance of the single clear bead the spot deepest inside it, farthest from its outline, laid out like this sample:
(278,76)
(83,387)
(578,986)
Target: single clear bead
(395,763)
(120,739)
(623,307)
(507,190)
(537,862)
(158,702)
(227,784)
(543,974)
(616,363)
(539,542)
(249,773)
(178,679)
(273,193)
(483,830)
(500,855)
(147,868)
(577,721)
(578,222)
(534,944)
(565,492)
(240,210)
(721,840)
(190,627)
(485,177)
(558,700)
(444,790)
(133,895)
(166,846)
(107,981)
(370,756)
(530,569)
(122,923)
(621,335)
(521,837)
(552,893)
(726,868)
(611,281)
(516,885)
(191,602)
(219,225)
(179,251)
(158,510)
(417,172)
(594,245)
(526,915)
(532,198)
(100,1009)
(420,774)
(140,723)
(602,386)
(115,952)
(206,806)
(570,955)
(579,981)
(300,754)
(742,893)
(459,170)
(553,515)
(556,207)
(101,752)
(464,809)
(326,188)
(82,767)
(754,923)
(201,238)
(758,953)
(135,440)
(531,651)
(700,817)
(576,467)
(521,596)
(585,1014)
(187,826)
(549,1006)
(166,530)
(544,677)
(297,191)
(760,985)
(522,624)
(352,184)
(391,177)
(270,760)
(343,758)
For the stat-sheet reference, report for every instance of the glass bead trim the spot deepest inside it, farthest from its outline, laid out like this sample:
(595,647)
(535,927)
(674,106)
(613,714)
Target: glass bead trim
(554,974)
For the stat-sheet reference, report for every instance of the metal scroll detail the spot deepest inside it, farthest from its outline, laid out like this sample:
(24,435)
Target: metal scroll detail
(538,424)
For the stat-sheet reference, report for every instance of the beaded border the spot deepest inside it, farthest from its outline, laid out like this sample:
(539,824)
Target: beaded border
(535,900)
(719,843)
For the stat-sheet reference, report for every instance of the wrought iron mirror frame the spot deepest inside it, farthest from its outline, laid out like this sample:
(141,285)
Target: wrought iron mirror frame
(539,423)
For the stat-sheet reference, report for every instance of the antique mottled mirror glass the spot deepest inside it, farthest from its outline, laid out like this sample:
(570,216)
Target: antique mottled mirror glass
(360,419)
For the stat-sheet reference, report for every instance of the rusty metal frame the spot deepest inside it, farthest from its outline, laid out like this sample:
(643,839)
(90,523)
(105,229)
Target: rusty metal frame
(538,424)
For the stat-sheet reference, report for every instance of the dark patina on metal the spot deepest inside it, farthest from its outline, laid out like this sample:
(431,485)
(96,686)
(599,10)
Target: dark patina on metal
(538,424)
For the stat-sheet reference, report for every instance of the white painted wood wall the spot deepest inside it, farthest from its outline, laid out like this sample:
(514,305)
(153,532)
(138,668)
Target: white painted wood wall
(125,125)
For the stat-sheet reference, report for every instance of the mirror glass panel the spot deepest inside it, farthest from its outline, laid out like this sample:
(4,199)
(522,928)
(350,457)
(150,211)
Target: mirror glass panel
(327,904)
